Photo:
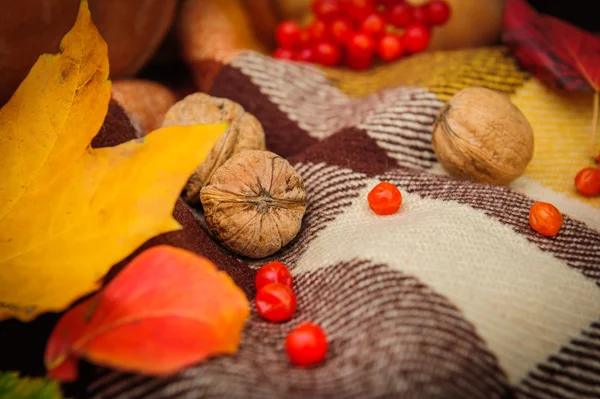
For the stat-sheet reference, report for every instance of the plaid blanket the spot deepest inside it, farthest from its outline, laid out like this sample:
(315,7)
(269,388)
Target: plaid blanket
(455,296)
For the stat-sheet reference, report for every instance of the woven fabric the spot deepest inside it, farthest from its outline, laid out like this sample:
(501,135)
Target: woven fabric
(455,296)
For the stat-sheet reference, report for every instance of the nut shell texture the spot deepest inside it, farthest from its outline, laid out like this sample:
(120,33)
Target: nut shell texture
(254,203)
(481,136)
(245,133)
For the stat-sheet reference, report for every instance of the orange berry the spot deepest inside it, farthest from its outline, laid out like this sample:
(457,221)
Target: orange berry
(587,181)
(545,218)
(385,199)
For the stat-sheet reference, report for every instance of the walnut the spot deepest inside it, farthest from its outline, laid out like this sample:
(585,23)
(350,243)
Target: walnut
(245,133)
(254,203)
(481,136)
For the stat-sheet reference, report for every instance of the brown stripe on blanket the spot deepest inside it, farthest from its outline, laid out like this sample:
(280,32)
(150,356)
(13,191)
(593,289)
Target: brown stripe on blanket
(395,135)
(398,119)
(330,190)
(576,244)
(390,336)
(349,148)
(399,125)
(306,96)
(116,129)
(283,136)
(572,373)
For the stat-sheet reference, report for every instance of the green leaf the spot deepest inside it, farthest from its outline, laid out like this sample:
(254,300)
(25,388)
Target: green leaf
(13,387)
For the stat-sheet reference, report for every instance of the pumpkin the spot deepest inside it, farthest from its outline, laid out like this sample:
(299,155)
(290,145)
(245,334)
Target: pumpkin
(133,30)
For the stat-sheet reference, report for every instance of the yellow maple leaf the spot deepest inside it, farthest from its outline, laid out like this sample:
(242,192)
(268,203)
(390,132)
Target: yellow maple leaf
(69,212)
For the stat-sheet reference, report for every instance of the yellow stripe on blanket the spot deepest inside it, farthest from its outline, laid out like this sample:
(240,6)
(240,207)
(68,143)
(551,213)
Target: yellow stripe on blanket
(443,72)
(562,125)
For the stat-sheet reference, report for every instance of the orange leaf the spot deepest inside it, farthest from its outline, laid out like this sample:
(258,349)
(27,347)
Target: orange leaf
(168,309)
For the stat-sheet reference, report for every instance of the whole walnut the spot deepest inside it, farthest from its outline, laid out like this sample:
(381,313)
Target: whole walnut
(254,203)
(245,133)
(481,135)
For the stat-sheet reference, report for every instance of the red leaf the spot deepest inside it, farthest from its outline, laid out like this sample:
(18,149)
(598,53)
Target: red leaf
(167,309)
(558,53)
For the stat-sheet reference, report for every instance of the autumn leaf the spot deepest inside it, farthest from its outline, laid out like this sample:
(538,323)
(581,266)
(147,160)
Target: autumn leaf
(558,53)
(167,309)
(69,212)
(13,387)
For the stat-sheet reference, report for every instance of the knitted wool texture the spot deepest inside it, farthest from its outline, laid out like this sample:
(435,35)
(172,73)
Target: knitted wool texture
(455,296)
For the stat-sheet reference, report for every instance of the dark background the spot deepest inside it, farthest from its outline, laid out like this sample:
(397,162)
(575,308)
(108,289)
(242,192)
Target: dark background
(579,12)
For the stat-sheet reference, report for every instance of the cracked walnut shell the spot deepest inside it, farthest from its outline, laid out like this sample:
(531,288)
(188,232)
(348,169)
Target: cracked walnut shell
(245,133)
(254,203)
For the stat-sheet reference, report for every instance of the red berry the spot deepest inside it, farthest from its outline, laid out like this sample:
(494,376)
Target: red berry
(306,55)
(373,24)
(327,9)
(385,199)
(416,38)
(317,30)
(273,272)
(287,34)
(276,302)
(361,45)
(327,53)
(390,47)
(359,62)
(305,39)
(438,12)
(340,30)
(283,54)
(359,9)
(420,16)
(306,345)
(400,15)
(587,181)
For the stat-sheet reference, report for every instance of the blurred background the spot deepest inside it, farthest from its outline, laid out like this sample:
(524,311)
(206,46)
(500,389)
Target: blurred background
(170,40)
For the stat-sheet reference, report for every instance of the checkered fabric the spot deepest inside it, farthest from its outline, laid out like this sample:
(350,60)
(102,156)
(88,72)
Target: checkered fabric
(455,296)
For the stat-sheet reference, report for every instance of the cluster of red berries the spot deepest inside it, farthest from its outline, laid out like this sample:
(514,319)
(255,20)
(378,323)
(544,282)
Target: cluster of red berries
(355,32)
(275,301)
